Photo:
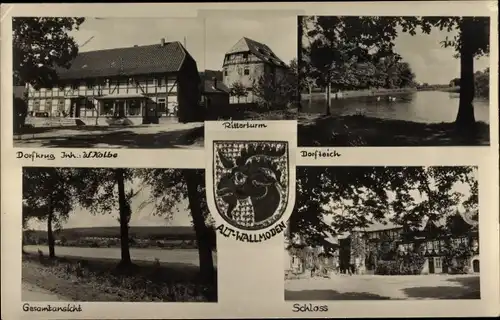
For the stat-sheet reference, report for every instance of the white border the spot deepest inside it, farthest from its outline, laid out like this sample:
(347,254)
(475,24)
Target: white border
(251,282)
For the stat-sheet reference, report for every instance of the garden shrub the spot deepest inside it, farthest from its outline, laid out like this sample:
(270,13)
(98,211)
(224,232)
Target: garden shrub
(387,267)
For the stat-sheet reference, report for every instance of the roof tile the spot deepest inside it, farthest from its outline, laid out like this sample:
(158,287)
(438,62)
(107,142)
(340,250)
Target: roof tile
(126,61)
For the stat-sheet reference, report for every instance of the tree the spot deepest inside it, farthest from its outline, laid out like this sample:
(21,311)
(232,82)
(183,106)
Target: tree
(170,186)
(238,90)
(102,190)
(47,197)
(373,38)
(482,83)
(277,89)
(40,44)
(20,113)
(337,200)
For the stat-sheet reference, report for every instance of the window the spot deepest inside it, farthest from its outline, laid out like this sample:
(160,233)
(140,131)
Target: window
(245,56)
(437,262)
(161,82)
(225,72)
(162,105)
(36,105)
(134,108)
(107,108)
(247,72)
(60,105)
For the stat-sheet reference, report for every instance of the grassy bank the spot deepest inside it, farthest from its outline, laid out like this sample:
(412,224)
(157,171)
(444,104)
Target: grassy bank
(358,130)
(359,93)
(100,280)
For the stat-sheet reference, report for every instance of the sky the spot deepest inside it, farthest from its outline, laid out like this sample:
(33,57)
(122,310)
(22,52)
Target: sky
(81,218)
(207,38)
(430,62)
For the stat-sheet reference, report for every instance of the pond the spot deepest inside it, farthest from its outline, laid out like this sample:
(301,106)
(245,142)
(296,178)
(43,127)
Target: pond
(422,106)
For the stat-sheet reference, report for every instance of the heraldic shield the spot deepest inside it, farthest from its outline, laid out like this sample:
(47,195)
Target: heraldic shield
(250,183)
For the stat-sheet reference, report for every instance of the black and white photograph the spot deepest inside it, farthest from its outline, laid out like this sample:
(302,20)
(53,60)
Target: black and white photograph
(108,82)
(254,53)
(117,234)
(76,84)
(394,81)
(384,233)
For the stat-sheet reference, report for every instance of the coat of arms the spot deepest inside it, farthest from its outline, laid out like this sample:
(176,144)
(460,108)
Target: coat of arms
(251,182)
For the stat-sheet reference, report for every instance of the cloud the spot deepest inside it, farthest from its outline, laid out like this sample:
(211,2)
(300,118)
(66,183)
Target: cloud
(430,61)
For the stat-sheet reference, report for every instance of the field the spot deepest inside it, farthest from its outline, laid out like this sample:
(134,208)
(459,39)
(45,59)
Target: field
(173,256)
(91,274)
(163,232)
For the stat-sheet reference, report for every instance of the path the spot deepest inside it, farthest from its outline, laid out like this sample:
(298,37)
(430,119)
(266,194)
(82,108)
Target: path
(174,135)
(384,287)
(32,292)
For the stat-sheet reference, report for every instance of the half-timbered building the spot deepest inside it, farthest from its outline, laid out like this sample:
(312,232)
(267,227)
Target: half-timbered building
(139,83)
(246,63)
(433,236)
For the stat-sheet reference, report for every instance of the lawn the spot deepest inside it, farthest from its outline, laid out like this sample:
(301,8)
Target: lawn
(99,279)
(358,130)
(373,287)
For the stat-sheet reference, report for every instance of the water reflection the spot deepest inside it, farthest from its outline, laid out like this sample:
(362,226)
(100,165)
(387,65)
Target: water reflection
(423,106)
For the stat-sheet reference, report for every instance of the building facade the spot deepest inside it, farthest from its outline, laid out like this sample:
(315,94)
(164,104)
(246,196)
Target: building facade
(246,63)
(139,83)
(361,250)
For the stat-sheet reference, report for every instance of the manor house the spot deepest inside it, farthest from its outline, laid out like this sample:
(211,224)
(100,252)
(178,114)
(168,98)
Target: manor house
(337,251)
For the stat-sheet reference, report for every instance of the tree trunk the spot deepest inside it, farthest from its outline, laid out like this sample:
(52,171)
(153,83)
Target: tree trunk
(124,218)
(465,118)
(328,98)
(97,116)
(50,234)
(203,239)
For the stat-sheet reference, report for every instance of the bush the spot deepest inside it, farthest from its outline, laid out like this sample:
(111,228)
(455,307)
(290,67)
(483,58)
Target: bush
(412,263)
(387,268)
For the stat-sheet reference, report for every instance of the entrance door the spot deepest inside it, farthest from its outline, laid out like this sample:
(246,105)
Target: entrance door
(431,265)
(120,109)
(150,113)
(475,265)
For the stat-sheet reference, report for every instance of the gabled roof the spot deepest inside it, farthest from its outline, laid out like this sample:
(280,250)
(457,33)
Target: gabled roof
(209,87)
(260,50)
(135,60)
(380,226)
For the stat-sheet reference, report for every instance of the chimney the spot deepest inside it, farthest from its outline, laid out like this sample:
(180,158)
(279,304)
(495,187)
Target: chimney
(162,42)
(214,79)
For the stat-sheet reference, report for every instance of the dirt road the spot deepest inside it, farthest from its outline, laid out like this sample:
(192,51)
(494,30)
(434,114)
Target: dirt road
(34,293)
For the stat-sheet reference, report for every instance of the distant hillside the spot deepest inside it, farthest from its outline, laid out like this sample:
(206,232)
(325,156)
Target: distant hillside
(210,74)
(168,233)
